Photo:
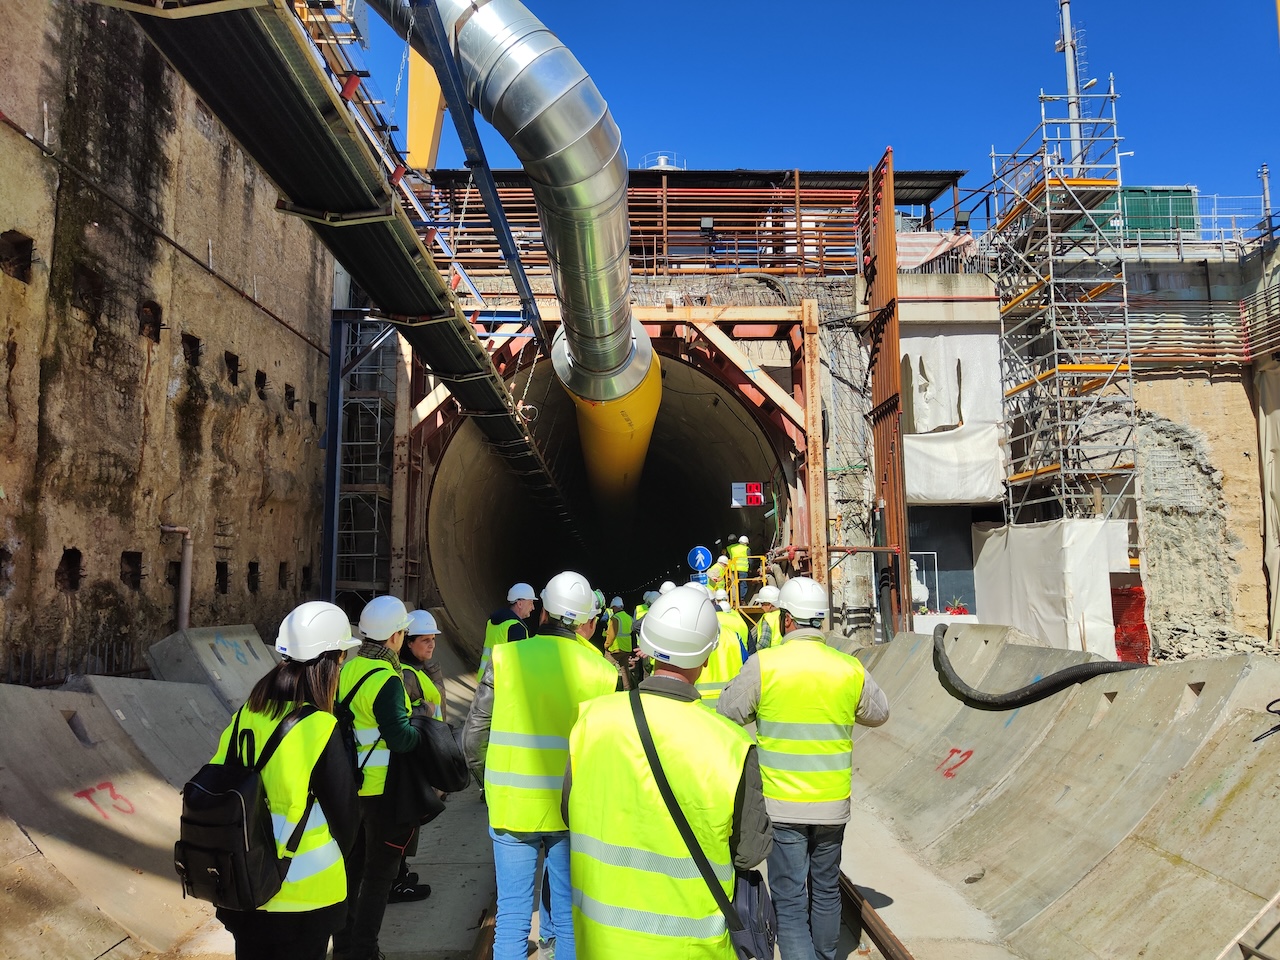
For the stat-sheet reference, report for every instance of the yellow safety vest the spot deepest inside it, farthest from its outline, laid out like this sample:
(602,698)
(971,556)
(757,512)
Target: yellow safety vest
(641,610)
(737,554)
(538,685)
(715,573)
(316,877)
(369,741)
(809,694)
(725,661)
(636,890)
(769,632)
(429,692)
(622,639)
(494,634)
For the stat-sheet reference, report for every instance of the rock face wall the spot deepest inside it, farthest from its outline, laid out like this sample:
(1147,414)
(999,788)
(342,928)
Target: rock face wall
(164,357)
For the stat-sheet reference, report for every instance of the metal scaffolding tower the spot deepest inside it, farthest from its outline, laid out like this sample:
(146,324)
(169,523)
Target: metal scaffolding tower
(1065,345)
(367,440)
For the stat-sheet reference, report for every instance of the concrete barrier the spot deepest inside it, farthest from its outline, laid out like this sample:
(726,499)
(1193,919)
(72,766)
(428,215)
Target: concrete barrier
(98,812)
(229,660)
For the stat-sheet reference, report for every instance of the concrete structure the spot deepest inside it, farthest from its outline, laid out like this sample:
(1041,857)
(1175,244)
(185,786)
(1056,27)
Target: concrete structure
(166,335)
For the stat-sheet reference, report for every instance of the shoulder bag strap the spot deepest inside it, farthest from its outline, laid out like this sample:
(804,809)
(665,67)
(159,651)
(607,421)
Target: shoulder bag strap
(277,735)
(346,702)
(682,824)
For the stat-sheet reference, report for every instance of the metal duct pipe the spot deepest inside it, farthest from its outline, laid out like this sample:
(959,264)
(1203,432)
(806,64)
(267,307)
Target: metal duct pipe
(527,84)
(184,573)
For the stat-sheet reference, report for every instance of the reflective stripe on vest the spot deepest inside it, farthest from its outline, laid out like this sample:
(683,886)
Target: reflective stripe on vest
(637,891)
(494,634)
(369,741)
(316,877)
(725,660)
(809,694)
(538,684)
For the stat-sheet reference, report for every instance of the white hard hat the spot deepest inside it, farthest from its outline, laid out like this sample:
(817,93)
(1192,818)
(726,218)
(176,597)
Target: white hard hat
(313,628)
(382,617)
(804,599)
(701,587)
(615,602)
(521,591)
(721,594)
(722,559)
(768,594)
(667,587)
(742,540)
(421,623)
(568,597)
(680,628)
(650,596)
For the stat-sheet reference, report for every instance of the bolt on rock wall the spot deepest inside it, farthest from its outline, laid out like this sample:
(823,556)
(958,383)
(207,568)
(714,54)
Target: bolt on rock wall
(164,358)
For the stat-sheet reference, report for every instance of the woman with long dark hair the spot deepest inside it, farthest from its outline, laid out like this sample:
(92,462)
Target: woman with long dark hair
(308,780)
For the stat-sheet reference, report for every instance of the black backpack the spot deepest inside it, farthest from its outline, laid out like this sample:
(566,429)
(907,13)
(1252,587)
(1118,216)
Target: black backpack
(226,852)
(347,730)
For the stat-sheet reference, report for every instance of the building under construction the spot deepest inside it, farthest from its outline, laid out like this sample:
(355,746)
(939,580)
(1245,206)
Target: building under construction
(258,354)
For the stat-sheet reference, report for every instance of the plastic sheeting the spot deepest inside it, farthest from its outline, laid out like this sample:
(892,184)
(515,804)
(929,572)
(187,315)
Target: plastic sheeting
(917,248)
(1266,381)
(950,375)
(1050,580)
(958,466)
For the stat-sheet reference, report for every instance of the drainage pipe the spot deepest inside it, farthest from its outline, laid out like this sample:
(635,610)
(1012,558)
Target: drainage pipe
(527,84)
(184,574)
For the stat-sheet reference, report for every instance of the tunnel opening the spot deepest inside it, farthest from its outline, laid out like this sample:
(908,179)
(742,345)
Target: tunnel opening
(485,532)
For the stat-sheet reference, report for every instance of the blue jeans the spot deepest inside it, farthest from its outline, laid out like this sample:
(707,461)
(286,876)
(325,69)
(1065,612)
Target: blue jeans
(808,919)
(515,861)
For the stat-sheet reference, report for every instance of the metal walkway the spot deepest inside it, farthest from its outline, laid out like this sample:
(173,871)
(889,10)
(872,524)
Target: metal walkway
(261,75)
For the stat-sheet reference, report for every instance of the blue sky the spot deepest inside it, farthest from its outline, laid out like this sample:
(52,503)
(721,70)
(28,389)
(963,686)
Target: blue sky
(827,85)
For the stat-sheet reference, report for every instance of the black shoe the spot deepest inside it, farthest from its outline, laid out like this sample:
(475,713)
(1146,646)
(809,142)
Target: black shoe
(407,878)
(408,892)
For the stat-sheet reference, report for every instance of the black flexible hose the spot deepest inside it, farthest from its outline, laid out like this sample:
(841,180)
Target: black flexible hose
(1032,692)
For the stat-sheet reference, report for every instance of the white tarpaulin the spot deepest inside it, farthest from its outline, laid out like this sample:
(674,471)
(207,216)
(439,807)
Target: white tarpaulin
(918,247)
(1050,580)
(954,466)
(950,375)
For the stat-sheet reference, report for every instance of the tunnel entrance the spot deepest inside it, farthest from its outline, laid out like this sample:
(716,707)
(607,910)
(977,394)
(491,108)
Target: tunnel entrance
(484,532)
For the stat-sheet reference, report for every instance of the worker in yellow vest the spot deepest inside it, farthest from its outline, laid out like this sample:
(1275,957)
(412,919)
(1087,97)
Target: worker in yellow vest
(717,572)
(805,697)
(637,893)
(506,624)
(517,741)
(729,654)
(426,699)
(769,629)
(643,606)
(740,563)
(619,644)
(380,707)
(308,777)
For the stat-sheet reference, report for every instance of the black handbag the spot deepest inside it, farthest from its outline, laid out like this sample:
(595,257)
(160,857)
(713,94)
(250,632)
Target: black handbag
(753,925)
(440,754)
(409,796)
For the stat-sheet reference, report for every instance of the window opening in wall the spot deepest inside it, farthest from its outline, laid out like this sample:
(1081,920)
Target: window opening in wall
(149,316)
(306,577)
(173,573)
(222,576)
(67,577)
(260,384)
(191,349)
(311,409)
(290,397)
(6,571)
(16,254)
(88,291)
(131,569)
(233,368)
(254,578)
(282,578)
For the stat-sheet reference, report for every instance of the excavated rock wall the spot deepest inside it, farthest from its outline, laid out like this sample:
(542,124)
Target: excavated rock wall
(163,357)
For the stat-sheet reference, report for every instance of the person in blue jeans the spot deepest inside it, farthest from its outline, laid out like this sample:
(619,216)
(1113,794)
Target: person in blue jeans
(805,698)
(517,743)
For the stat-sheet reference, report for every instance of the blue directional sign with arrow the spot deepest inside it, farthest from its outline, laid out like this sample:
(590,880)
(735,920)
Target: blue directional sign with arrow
(699,558)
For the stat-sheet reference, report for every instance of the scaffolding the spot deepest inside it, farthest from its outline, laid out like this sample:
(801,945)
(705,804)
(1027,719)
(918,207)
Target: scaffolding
(368,439)
(1064,317)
